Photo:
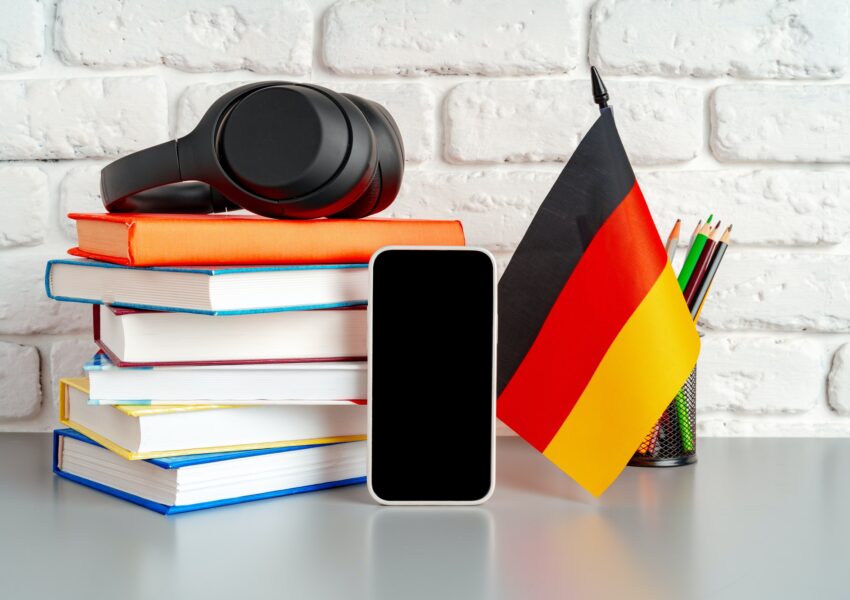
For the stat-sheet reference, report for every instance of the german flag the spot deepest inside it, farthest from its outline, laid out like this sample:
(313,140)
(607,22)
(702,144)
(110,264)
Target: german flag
(595,338)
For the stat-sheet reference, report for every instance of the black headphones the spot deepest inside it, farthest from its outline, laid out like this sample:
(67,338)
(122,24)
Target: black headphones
(279,149)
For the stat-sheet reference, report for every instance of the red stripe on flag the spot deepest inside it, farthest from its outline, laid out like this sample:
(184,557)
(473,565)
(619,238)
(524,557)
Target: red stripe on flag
(617,270)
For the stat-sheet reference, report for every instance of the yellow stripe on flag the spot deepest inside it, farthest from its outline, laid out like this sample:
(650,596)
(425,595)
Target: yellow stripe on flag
(639,375)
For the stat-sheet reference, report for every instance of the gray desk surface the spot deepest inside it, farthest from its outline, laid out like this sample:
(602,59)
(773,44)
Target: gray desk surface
(753,519)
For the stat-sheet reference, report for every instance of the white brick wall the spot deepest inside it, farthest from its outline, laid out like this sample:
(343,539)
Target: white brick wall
(761,374)
(21,30)
(744,38)
(775,206)
(79,191)
(23,200)
(544,119)
(737,107)
(799,123)
(81,117)
(503,37)
(266,36)
(839,381)
(24,306)
(19,381)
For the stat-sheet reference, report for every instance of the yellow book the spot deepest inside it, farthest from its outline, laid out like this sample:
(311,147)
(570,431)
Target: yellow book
(142,432)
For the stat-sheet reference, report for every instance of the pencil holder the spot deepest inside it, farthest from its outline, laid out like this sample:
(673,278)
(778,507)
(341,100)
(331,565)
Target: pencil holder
(672,440)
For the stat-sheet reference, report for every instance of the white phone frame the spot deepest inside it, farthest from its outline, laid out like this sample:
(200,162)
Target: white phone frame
(492,385)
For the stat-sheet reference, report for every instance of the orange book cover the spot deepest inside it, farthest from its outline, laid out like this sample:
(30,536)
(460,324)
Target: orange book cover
(145,240)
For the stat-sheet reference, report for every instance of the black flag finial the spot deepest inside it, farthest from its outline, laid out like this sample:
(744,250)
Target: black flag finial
(600,92)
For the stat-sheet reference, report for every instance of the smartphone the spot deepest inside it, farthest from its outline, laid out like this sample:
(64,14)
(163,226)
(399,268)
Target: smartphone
(431,377)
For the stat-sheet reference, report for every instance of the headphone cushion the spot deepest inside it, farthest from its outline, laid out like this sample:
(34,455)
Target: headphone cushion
(366,203)
(387,180)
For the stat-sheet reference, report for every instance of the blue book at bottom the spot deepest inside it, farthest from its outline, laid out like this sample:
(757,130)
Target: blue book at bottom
(186,483)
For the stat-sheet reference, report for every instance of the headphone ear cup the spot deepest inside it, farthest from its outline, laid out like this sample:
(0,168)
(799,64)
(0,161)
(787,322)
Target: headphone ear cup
(386,181)
(367,203)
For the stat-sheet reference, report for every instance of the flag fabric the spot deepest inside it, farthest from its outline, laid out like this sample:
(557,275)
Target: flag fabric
(595,338)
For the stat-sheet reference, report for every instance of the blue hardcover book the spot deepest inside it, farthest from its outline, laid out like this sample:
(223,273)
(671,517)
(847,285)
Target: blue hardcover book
(210,291)
(187,483)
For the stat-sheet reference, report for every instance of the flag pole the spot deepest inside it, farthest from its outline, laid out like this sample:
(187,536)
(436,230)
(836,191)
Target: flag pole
(600,92)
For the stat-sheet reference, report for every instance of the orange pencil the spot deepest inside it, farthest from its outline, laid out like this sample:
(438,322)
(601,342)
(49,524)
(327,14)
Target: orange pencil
(673,240)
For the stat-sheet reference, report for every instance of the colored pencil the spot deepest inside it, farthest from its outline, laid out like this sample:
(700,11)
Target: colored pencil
(684,418)
(706,250)
(693,255)
(713,265)
(701,304)
(701,266)
(653,441)
(673,240)
(664,426)
(691,260)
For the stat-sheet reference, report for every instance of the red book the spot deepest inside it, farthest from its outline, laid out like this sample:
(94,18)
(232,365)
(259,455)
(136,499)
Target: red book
(163,239)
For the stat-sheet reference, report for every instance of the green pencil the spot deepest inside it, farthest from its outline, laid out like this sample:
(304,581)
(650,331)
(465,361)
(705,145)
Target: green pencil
(684,422)
(693,255)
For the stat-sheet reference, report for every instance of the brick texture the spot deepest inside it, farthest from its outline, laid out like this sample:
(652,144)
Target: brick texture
(194,35)
(761,374)
(806,123)
(22,35)
(386,37)
(805,207)
(81,117)
(543,120)
(20,389)
(23,202)
(66,359)
(495,207)
(24,305)
(789,292)
(79,191)
(753,39)
(839,381)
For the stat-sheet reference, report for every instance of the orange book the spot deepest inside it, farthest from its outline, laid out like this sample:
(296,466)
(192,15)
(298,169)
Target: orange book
(145,240)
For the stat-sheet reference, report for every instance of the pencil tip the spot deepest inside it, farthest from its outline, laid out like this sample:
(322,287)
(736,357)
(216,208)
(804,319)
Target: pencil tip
(710,217)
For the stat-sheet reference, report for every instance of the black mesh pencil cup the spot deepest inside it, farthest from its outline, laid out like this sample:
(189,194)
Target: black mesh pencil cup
(672,440)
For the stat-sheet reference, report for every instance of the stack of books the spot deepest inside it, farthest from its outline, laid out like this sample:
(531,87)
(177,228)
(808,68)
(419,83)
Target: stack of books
(233,348)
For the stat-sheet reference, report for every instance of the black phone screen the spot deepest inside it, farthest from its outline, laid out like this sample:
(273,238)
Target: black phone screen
(431,361)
